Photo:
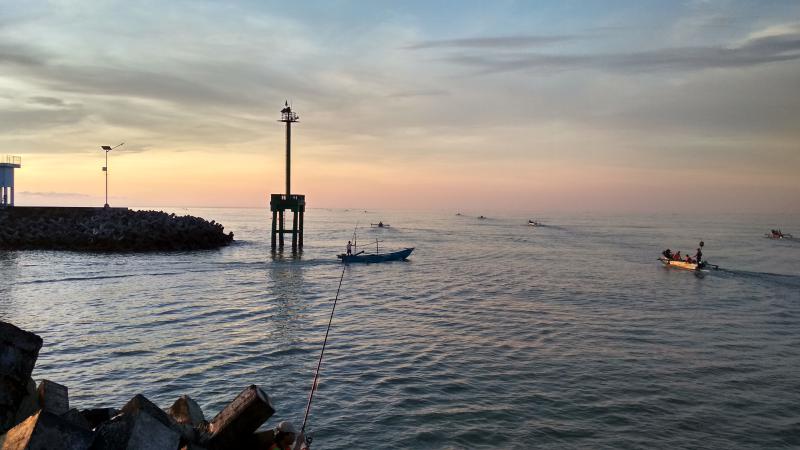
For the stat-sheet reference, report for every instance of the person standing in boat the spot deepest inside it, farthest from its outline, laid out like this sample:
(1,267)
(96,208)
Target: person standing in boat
(349,248)
(698,256)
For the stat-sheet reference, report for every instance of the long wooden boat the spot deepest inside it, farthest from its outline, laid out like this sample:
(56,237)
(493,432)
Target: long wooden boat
(376,257)
(679,264)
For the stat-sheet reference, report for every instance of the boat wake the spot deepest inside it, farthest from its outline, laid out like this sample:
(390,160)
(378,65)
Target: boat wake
(776,278)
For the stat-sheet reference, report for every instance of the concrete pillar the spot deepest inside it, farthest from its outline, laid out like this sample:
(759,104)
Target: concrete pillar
(300,238)
(294,230)
(274,227)
(281,228)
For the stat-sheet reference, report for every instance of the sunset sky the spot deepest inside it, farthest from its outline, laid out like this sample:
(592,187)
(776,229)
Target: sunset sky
(511,105)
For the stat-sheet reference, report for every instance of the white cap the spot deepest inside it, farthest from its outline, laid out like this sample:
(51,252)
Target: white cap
(286,427)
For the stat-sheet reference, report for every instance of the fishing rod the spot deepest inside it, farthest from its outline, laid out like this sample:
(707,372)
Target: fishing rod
(322,353)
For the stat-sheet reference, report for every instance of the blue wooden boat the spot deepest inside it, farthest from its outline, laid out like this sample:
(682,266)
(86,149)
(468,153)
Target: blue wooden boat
(376,257)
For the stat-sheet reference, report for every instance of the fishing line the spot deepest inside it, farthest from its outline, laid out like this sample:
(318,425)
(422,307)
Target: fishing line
(324,344)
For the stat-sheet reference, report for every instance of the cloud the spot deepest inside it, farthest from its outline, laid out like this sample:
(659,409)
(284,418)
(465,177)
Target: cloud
(419,93)
(491,42)
(752,52)
(55,194)
(13,53)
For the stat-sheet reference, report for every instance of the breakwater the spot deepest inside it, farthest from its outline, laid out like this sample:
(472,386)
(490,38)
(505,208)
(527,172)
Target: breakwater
(106,229)
(40,417)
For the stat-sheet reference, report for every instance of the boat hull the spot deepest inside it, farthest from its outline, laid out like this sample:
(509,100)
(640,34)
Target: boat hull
(383,257)
(678,264)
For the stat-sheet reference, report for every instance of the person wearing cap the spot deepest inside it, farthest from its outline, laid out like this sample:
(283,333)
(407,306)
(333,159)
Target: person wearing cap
(285,436)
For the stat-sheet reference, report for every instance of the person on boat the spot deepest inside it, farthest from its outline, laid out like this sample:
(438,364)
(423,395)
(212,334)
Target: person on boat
(677,256)
(667,253)
(698,256)
(380,224)
(349,248)
(689,259)
(287,438)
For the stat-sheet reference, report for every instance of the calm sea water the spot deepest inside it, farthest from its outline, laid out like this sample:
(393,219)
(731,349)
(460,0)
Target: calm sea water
(493,335)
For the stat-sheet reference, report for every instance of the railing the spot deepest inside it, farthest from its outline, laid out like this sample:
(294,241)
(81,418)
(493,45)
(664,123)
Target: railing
(14,160)
(284,197)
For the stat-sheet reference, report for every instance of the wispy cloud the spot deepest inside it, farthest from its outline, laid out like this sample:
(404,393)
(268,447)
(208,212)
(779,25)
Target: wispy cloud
(491,42)
(23,55)
(754,51)
(55,194)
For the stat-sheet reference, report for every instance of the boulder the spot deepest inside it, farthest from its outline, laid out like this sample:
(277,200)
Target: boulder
(44,431)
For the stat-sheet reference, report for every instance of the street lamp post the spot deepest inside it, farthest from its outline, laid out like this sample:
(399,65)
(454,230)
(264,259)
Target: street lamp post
(107,149)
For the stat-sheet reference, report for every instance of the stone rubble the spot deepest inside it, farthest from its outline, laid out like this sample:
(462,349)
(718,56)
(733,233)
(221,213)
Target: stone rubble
(41,418)
(111,229)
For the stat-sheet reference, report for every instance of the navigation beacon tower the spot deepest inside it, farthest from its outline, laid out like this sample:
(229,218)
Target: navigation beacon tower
(280,203)
(7,166)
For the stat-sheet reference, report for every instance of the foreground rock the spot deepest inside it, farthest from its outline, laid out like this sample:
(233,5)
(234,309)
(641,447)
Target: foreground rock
(42,419)
(106,229)
(18,352)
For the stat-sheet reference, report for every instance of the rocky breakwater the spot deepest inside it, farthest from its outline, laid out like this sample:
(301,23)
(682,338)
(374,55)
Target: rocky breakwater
(106,229)
(40,417)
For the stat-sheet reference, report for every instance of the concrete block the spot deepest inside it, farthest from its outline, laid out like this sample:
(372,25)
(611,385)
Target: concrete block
(53,397)
(149,433)
(136,431)
(75,417)
(240,419)
(18,352)
(46,431)
(186,411)
(29,404)
(260,440)
(191,446)
(96,416)
(140,403)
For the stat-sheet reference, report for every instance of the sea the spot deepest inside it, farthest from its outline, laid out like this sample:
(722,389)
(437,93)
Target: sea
(493,334)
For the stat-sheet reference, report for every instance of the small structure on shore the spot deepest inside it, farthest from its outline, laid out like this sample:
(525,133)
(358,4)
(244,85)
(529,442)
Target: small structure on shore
(41,417)
(280,203)
(7,166)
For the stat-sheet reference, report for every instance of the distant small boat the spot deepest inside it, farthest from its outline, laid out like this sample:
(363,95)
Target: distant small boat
(380,225)
(778,234)
(534,223)
(458,213)
(481,217)
(376,257)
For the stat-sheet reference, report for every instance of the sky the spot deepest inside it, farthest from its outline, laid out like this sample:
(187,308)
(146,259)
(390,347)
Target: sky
(526,106)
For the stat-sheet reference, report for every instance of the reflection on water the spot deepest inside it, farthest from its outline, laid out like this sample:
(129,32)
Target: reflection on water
(493,334)
(9,273)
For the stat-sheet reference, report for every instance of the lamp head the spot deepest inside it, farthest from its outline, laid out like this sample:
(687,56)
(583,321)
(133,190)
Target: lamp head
(106,147)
